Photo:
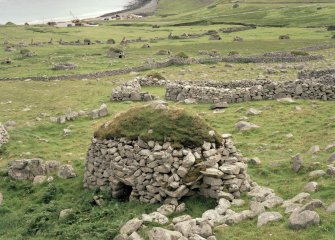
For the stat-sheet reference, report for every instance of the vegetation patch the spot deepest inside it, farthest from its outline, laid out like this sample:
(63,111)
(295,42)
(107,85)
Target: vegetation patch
(174,124)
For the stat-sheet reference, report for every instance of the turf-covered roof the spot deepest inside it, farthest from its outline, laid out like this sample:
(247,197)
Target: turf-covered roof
(173,124)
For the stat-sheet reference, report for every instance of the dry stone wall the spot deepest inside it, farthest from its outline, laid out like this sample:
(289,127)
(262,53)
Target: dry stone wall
(309,74)
(304,89)
(154,172)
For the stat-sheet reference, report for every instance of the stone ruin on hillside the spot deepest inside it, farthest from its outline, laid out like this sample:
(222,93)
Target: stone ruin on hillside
(130,91)
(155,171)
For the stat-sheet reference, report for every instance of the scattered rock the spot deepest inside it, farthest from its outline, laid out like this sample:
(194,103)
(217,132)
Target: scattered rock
(66,212)
(330,146)
(300,198)
(330,208)
(301,220)
(66,131)
(100,112)
(131,226)
(155,217)
(163,234)
(297,163)
(311,187)
(312,205)
(267,217)
(331,170)
(26,169)
(238,202)
(220,105)
(314,149)
(181,218)
(272,202)
(253,111)
(135,236)
(316,174)
(4,136)
(39,179)
(166,209)
(190,101)
(245,126)
(64,66)
(291,207)
(180,208)
(285,100)
(255,161)
(332,157)
(66,171)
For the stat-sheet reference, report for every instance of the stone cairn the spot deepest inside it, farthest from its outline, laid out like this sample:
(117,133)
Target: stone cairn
(130,91)
(154,172)
(4,136)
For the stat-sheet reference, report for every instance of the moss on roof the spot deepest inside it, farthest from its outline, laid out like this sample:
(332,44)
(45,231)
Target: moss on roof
(173,124)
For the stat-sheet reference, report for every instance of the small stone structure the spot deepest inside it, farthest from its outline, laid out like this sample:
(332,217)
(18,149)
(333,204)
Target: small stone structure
(130,91)
(155,171)
(4,136)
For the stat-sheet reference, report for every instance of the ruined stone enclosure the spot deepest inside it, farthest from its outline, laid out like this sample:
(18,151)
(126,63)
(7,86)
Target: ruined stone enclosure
(156,153)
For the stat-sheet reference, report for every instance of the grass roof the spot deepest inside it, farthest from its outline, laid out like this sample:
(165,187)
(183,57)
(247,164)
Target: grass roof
(176,125)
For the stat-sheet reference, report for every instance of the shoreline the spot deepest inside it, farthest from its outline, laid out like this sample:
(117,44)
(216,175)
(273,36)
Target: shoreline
(138,7)
(135,7)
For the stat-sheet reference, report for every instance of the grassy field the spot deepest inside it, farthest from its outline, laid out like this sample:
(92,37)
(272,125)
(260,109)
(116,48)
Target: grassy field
(31,212)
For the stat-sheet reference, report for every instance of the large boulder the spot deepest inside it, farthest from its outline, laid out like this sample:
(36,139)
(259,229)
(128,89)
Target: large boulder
(301,220)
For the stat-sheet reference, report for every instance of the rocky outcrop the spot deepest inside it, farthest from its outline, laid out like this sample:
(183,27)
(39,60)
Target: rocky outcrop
(4,136)
(154,172)
(36,170)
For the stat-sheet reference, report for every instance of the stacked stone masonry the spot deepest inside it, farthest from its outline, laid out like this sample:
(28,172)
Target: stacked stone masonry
(131,90)
(154,172)
(309,74)
(264,90)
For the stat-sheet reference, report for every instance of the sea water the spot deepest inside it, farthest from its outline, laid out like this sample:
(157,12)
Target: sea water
(42,11)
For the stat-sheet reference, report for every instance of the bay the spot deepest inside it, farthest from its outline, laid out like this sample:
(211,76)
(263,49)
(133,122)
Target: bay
(41,11)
